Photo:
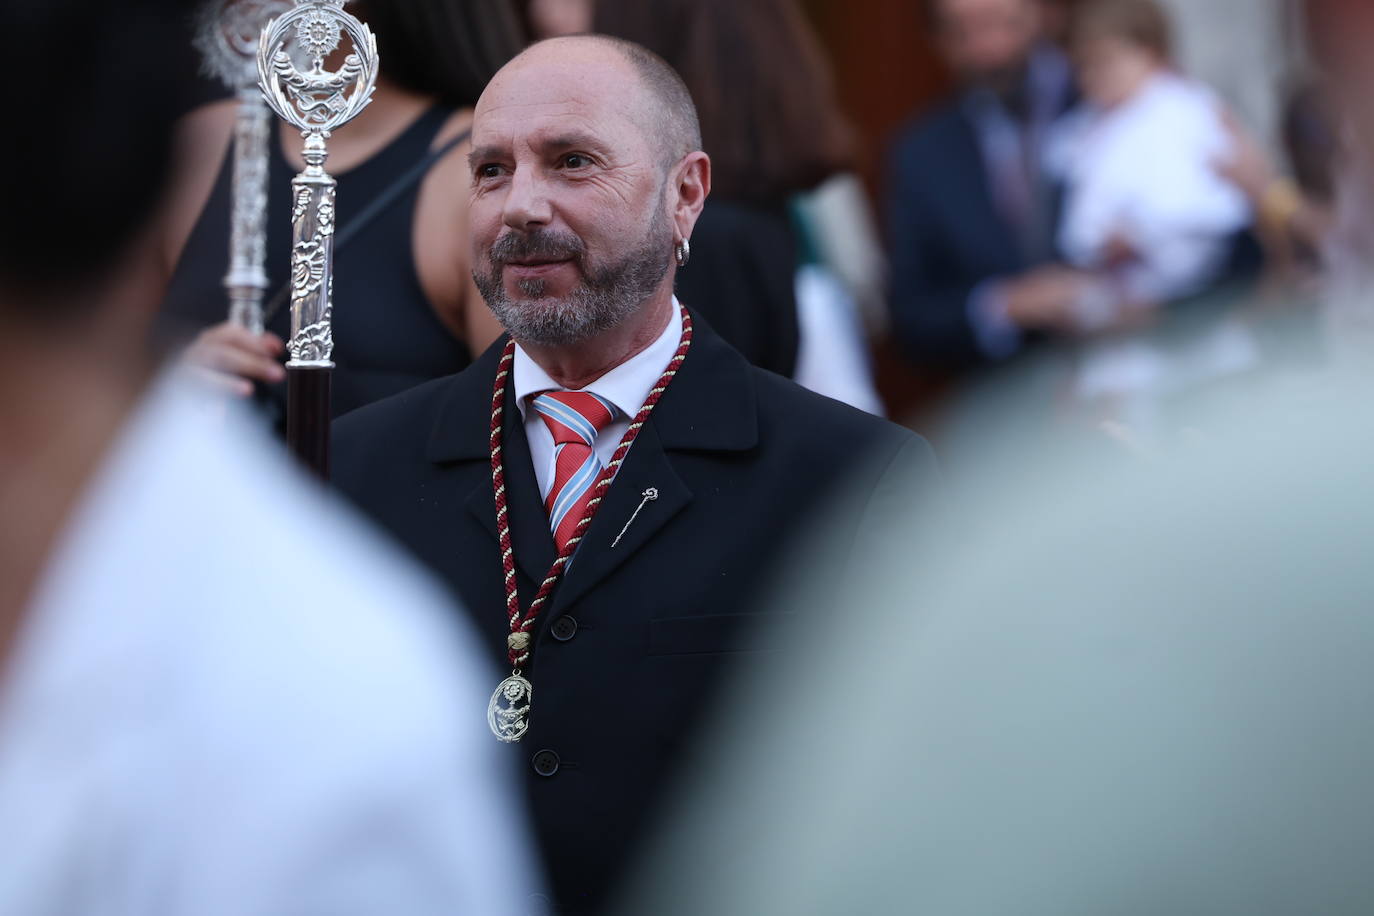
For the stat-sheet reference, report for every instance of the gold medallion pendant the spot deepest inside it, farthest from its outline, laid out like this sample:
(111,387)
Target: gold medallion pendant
(508,713)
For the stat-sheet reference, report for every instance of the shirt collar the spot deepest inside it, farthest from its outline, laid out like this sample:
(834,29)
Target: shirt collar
(627,386)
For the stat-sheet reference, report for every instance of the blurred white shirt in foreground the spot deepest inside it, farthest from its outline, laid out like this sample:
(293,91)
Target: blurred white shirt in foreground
(230,699)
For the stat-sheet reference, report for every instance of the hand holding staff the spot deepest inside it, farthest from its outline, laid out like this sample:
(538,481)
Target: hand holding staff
(317,101)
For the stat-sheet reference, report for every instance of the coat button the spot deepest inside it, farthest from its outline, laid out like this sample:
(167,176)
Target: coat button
(564,628)
(545,763)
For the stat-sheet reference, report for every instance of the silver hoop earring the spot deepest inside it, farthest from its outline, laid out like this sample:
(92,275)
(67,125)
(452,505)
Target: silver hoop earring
(683,252)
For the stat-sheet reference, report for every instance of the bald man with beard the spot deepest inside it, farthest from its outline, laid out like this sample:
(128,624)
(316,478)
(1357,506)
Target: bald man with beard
(611,486)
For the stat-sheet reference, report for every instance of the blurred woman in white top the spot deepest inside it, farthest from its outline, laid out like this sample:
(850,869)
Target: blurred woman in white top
(220,695)
(1144,201)
(1148,215)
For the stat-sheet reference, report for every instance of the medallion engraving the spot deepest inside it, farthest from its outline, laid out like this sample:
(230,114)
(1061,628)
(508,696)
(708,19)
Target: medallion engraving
(508,714)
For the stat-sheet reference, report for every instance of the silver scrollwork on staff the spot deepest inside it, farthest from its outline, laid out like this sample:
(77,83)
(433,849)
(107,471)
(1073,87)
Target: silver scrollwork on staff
(292,56)
(228,41)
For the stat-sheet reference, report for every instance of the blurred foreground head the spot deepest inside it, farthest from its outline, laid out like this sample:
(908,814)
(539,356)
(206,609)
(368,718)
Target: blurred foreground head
(1108,689)
(90,103)
(91,100)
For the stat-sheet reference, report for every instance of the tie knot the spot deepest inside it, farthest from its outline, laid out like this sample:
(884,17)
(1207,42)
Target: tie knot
(574,416)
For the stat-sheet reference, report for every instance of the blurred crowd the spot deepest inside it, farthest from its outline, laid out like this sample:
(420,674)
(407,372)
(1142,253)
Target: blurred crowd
(1067,213)
(1084,198)
(1068,193)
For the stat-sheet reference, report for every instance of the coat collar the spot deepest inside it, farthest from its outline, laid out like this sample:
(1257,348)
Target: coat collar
(711,404)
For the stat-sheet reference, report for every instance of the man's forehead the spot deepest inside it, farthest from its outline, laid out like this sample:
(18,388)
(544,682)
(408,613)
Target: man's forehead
(562,76)
(556,96)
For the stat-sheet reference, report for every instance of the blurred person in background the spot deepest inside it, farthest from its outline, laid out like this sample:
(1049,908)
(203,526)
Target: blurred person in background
(1294,207)
(1144,207)
(1147,217)
(1339,34)
(1313,214)
(405,310)
(972,211)
(771,124)
(617,457)
(1117,198)
(217,694)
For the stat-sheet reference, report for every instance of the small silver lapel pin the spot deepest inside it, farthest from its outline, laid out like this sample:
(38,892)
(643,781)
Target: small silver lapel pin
(649,495)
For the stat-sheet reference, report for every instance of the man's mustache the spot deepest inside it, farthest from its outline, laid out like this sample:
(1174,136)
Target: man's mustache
(541,245)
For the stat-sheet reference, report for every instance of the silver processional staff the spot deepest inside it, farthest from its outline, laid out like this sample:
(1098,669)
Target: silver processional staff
(292,74)
(228,41)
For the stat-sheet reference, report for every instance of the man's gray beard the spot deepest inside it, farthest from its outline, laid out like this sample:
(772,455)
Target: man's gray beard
(605,298)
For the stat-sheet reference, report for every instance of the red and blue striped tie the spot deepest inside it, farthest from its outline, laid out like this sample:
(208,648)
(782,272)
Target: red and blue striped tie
(574,418)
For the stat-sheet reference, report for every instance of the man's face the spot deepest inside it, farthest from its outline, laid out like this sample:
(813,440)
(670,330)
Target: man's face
(987,42)
(571,226)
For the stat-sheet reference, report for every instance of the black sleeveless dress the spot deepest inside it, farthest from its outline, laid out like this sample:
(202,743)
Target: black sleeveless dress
(387,337)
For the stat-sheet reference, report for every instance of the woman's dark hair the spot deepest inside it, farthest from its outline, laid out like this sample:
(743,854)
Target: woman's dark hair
(762,87)
(449,49)
(71,205)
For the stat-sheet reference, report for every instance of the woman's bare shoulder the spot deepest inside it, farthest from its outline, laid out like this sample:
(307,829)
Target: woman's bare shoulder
(449,177)
(459,122)
(202,140)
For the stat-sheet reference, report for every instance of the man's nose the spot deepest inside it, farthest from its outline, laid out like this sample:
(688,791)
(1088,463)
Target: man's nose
(527,202)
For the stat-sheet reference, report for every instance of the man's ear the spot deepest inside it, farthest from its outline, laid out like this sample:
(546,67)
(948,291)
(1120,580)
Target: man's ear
(693,180)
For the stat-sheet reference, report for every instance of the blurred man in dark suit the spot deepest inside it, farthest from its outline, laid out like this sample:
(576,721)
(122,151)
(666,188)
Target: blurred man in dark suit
(972,213)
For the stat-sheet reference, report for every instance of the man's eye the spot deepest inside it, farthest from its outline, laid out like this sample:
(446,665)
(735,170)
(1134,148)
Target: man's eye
(576,161)
(490,170)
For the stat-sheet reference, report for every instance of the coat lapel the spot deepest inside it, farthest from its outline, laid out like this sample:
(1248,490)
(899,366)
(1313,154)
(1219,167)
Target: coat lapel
(971,183)
(599,555)
(461,437)
(709,406)
(529,523)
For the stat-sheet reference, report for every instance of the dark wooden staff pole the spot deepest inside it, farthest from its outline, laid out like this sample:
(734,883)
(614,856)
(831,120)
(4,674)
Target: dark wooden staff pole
(307,417)
(315,100)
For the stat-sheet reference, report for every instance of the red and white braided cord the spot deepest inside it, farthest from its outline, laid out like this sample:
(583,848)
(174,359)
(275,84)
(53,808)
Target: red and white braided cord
(523,624)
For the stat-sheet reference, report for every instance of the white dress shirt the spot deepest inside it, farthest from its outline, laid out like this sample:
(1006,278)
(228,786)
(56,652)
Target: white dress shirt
(229,699)
(627,386)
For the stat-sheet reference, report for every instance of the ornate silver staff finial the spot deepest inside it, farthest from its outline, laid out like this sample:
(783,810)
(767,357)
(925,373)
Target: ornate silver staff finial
(228,41)
(317,101)
(300,89)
